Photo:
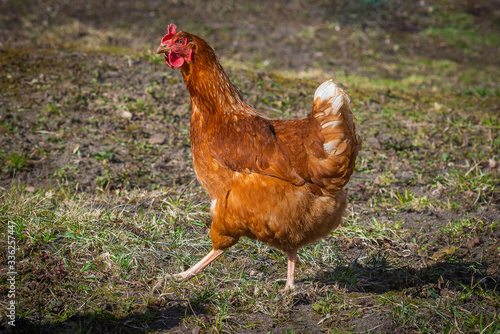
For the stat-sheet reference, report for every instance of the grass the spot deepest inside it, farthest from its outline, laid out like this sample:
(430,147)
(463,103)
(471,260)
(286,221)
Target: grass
(14,162)
(98,248)
(101,209)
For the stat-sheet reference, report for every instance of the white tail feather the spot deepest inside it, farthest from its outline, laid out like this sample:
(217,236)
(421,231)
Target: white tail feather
(328,91)
(332,101)
(332,124)
(337,103)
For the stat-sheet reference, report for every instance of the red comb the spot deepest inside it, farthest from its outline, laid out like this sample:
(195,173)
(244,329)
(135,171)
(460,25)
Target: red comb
(172,30)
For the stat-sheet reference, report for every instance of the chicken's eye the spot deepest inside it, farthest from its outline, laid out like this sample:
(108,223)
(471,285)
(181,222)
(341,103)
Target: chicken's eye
(179,42)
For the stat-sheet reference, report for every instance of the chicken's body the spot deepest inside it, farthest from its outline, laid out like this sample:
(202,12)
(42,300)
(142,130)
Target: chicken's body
(277,181)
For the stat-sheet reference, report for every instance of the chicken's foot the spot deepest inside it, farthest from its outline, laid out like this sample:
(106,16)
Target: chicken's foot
(290,278)
(193,271)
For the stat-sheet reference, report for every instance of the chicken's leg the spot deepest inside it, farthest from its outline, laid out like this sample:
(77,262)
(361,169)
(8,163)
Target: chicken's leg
(197,268)
(193,271)
(290,278)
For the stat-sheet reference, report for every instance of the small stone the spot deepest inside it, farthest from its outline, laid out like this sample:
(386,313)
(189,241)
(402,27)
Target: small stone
(125,114)
(157,139)
(492,163)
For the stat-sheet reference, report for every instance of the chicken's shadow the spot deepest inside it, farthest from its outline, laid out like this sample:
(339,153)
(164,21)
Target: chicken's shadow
(154,318)
(381,278)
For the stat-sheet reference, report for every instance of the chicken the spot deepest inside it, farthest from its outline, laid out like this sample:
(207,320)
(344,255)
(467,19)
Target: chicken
(277,181)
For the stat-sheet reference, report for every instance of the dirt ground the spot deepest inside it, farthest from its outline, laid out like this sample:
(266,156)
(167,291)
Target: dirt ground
(87,107)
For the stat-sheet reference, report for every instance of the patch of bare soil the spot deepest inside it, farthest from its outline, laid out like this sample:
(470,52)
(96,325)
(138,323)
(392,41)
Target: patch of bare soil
(87,120)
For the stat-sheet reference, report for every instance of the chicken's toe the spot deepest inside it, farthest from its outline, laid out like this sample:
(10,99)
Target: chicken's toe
(288,287)
(162,280)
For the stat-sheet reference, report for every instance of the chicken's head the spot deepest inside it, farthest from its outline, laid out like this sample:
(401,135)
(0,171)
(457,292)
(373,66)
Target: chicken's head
(177,47)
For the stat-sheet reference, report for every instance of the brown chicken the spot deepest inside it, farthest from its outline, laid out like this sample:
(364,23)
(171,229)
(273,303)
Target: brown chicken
(277,181)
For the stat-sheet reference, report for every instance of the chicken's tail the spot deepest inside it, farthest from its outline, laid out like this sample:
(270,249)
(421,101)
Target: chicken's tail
(340,143)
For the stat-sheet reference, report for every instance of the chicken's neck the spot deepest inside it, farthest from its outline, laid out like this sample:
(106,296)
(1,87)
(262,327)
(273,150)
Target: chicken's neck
(211,90)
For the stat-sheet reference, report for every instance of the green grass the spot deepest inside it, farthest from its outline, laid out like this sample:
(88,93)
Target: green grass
(14,162)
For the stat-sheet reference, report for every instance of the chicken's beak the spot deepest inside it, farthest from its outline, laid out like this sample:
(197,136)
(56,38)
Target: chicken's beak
(163,48)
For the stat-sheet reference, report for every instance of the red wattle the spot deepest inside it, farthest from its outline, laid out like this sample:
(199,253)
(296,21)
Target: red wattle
(168,62)
(175,60)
